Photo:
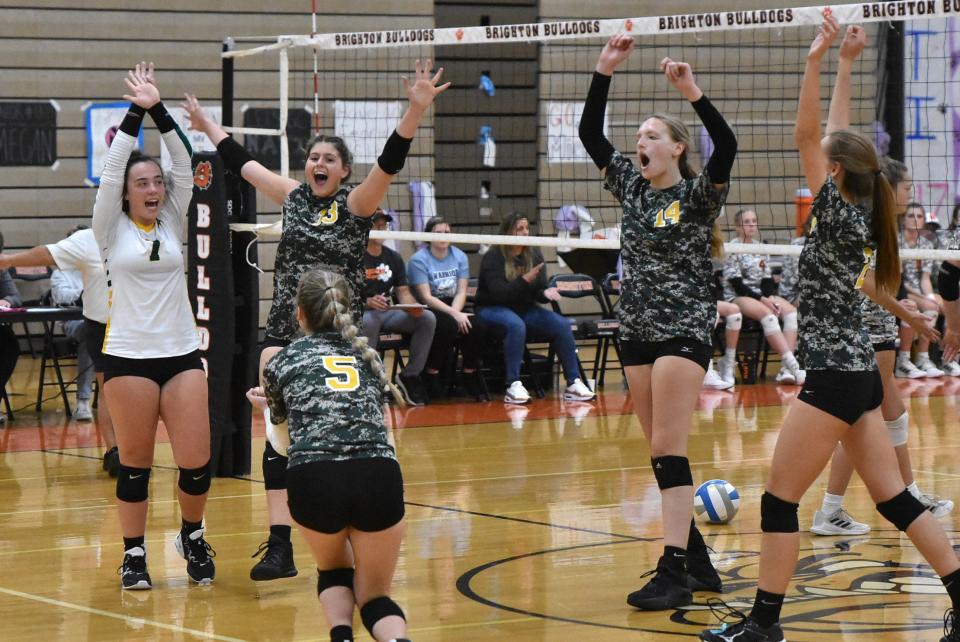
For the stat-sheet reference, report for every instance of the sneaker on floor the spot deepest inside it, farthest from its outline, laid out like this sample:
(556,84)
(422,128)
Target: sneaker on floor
(951,368)
(412,390)
(199,555)
(746,630)
(516,393)
(905,369)
(276,561)
(785,376)
(725,370)
(701,575)
(951,628)
(939,507)
(666,590)
(578,391)
(714,381)
(111,462)
(82,412)
(929,368)
(838,522)
(133,572)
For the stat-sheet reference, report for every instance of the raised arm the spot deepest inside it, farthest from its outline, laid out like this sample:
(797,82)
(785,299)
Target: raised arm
(367,196)
(616,50)
(854,40)
(806,133)
(721,160)
(235,156)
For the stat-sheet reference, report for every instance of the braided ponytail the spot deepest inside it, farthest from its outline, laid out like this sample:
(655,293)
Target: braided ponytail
(324,297)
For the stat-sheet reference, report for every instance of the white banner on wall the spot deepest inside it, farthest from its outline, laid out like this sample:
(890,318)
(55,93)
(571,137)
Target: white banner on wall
(366,126)
(563,138)
(932,113)
(102,122)
(198,140)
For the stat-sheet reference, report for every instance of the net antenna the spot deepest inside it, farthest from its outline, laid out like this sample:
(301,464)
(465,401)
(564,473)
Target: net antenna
(749,62)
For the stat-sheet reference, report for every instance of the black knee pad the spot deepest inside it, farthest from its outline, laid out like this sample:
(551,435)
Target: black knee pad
(948,281)
(334,577)
(901,510)
(274,469)
(377,609)
(195,481)
(672,471)
(778,516)
(132,484)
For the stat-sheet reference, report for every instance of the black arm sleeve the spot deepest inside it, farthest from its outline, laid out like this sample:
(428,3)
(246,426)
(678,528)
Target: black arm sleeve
(948,282)
(234,155)
(132,121)
(162,118)
(724,141)
(740,287)
(768,287)
(591,123)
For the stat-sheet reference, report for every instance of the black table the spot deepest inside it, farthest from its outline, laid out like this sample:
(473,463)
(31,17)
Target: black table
(47,317)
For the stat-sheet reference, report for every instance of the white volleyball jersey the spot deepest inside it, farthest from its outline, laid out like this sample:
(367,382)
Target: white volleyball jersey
(149,308)
(79,252)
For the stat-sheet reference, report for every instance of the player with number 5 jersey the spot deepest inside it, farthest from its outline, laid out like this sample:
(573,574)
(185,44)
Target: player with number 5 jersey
(667,309)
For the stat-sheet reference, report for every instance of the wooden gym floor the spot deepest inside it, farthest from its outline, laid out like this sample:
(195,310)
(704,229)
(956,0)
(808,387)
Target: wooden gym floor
(524,523)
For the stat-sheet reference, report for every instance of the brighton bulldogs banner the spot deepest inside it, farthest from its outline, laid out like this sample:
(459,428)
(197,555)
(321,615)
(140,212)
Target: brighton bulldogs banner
(210,285)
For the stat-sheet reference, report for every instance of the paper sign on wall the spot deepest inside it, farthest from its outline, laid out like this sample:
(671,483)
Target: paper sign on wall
(366,126)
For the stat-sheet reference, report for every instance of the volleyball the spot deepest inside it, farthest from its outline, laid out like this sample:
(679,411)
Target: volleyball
(716,501)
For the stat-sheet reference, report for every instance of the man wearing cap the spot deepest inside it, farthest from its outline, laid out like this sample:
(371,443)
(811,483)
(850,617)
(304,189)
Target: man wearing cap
(387,286)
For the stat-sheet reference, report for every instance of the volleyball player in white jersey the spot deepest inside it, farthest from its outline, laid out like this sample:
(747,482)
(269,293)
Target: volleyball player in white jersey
(324,223)
(151,359)
(79,252)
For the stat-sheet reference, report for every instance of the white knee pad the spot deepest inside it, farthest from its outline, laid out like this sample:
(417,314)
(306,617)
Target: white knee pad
(277,434)
(734,321)
(770,325)
(790,322)
(898,429)
(931,314)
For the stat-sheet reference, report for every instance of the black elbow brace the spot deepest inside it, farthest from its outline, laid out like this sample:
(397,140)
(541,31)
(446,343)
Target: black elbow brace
(162,118)
(948,281)
(394,153)
(234,155)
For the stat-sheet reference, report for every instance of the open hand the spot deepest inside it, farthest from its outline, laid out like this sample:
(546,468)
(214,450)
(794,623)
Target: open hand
(198,118)
(424,88)
(143,92)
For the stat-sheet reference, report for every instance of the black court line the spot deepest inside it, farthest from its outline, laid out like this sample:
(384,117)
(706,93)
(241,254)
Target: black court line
(100,458)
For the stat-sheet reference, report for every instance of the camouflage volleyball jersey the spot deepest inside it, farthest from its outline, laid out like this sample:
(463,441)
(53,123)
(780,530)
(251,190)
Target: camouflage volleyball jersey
(882,326)
(913,269)
(316,231)
(835,259)
(665,242)
(330,398)
(751,268)
(790,273)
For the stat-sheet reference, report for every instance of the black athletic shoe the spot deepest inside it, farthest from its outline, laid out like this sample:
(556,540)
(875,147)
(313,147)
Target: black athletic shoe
(951,627)
(199,555)
(133,572)
(473,385)
(412,390)
(276,562)
(701,575)
(111,462)
(738,627)
(667,590)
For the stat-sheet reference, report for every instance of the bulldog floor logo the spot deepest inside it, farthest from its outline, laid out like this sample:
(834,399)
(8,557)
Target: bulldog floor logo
(851,589)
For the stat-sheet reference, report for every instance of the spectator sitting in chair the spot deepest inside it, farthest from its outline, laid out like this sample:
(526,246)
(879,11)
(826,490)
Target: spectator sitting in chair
(439,274)
(386,281)
(9,347)
(512,281)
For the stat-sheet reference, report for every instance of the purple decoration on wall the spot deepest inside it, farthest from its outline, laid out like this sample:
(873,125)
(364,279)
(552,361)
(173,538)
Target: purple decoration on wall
(881,139)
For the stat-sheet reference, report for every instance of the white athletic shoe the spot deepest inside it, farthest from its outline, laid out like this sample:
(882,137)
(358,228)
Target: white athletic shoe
(82,412)
(905,369)
(837,523)
(578,391)
(725,370)
(714,381)
(929,369)
(952,369)
(516,393)
(939,507)
(786,376)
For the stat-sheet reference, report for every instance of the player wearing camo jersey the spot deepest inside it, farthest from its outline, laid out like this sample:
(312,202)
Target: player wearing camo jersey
(918,285)
(667,309)
(344,483)
(855,222)
(323,224)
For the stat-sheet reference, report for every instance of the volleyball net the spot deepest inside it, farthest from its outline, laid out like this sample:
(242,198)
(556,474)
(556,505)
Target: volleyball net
(504,136)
